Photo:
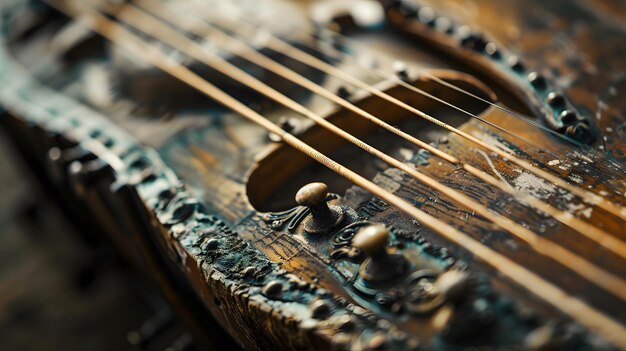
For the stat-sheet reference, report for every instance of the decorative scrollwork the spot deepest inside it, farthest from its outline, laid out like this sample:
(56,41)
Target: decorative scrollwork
(344,236)
(422,295)
(287,220)
(417,294)
(290,219)
(347,253)
(372,207)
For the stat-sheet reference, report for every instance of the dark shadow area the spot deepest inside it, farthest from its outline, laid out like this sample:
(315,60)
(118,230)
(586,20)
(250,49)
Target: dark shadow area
(56,292)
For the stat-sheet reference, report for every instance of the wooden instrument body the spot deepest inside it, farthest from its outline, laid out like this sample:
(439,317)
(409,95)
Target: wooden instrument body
(189,198)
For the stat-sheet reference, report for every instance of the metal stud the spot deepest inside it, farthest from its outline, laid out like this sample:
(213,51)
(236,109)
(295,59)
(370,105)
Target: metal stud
(537,80)
(212,244)
(183,212)
(516,64)
(568,116)
(320,309)
(249,271)
(444,24)
(474,41)
(272,289)
(426,15)
(555,100)
(491,49)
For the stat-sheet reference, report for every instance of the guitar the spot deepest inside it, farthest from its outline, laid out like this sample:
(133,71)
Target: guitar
(341,174)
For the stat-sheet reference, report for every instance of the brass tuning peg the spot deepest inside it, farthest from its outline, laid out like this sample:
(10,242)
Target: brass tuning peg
(323,217)
(380,265)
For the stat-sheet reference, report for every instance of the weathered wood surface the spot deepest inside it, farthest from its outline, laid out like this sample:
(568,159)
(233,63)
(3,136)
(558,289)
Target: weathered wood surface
(263,282)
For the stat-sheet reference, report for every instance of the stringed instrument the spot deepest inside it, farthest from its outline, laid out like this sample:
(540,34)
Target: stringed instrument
(354,175)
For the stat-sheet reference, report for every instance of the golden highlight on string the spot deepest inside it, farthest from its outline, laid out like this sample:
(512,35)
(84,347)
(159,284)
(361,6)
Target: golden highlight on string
(151,54)
(153,27)
(234,46)
(285,48)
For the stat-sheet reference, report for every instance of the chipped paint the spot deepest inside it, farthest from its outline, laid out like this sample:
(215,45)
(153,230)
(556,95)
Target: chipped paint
(534,185)
(575,178)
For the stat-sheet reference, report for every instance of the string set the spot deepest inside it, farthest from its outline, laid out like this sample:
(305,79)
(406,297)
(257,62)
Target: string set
(336,42)
(150,24)
(147,21)
(290,50)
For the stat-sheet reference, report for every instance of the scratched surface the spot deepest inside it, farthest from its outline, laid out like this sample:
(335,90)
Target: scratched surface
(587,170)
(213,152)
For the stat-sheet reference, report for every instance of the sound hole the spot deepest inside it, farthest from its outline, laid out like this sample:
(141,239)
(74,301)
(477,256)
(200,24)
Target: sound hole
(275,179)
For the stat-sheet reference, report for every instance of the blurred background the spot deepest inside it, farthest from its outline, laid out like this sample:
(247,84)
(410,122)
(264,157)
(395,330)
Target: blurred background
(57,292)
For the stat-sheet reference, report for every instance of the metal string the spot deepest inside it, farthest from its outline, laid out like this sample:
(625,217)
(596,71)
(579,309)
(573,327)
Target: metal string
(241,49)
(424,72)
(290,50)
(586,315)
(154,27)
(447,84)
(330,33)
(354,43)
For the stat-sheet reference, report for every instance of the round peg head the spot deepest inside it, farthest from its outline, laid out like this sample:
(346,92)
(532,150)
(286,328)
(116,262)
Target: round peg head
(380,265)
(312,195)
(372,239)
(323,217)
